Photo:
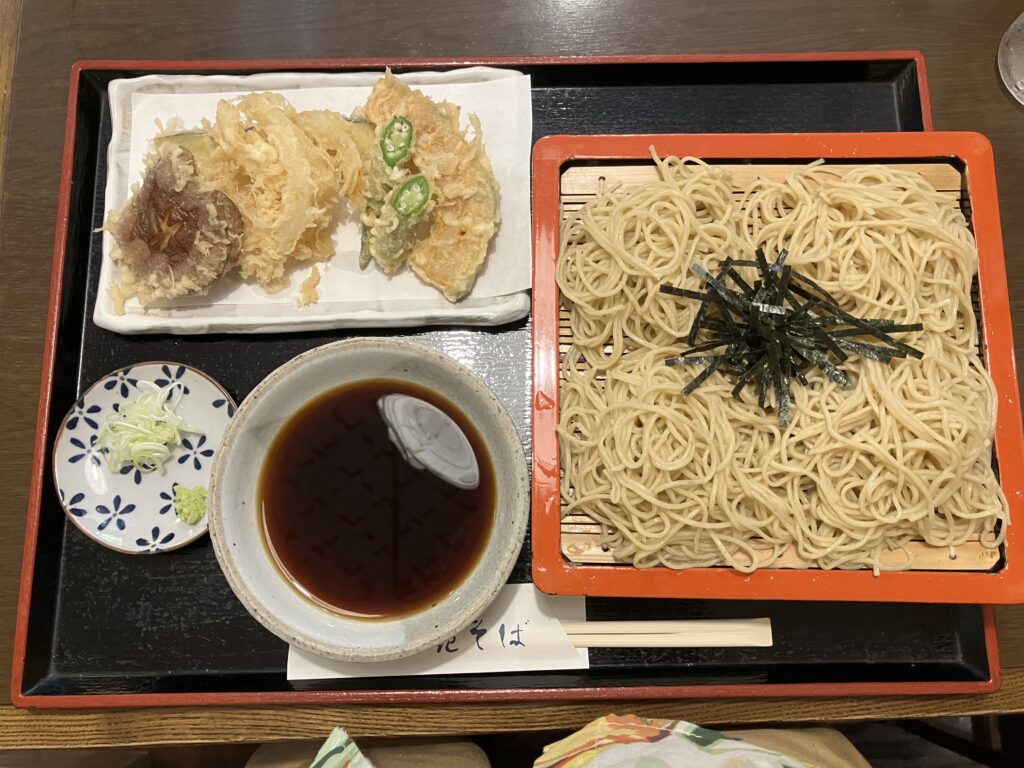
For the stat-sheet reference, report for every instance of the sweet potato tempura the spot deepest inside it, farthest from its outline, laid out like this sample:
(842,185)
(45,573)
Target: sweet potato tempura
(466,212)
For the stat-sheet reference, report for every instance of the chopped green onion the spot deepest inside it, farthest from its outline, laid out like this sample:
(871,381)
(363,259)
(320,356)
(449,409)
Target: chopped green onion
(143,432)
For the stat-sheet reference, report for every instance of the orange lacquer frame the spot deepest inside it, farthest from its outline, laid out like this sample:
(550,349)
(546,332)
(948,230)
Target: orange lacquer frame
(554,574)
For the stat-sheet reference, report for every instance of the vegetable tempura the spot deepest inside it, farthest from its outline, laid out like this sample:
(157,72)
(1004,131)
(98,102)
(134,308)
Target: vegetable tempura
(258,188)
(176,236)
(464,190)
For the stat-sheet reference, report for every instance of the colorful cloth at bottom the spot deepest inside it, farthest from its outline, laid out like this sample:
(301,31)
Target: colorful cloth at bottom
(632,742)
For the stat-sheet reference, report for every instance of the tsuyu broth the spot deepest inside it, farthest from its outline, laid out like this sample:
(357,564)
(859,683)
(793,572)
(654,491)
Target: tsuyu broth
(377,498)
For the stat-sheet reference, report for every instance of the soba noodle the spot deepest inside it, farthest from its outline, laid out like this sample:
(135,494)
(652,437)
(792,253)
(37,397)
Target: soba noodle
(706,479)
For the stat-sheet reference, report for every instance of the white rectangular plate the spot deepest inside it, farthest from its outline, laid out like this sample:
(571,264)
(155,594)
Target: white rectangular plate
(349,298)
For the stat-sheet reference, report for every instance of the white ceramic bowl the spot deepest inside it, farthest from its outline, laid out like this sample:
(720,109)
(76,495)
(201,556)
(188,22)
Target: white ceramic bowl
(235,525)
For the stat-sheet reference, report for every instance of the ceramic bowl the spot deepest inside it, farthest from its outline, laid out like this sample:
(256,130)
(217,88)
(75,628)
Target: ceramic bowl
(236,526)
(128,510)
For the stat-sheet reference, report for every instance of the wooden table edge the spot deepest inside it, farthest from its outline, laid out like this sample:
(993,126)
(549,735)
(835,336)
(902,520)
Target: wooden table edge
(203,725)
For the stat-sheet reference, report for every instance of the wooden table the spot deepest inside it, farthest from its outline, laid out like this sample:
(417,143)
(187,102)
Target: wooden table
(959,40)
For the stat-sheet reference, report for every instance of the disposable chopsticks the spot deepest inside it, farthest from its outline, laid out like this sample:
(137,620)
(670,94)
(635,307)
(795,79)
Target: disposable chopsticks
(691,633)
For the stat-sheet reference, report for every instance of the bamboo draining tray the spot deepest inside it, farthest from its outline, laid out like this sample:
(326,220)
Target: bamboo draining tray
(581,535)
(568,557)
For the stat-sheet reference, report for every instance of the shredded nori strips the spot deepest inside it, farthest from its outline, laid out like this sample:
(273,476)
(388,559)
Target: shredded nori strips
(772,331)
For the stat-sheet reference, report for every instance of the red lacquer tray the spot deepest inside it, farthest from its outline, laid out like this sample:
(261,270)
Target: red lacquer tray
(971,156)
(80,643)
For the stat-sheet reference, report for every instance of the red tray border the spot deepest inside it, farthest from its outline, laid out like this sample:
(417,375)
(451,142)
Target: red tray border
(91,701)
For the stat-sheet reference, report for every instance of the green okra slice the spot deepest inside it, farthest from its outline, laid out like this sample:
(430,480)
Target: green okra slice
(399,219)
(387,170)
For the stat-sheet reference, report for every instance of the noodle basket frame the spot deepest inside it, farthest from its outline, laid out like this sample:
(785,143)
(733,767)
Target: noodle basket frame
(995,576)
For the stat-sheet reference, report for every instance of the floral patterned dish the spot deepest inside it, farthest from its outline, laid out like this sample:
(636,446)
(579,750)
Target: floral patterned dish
(128,510)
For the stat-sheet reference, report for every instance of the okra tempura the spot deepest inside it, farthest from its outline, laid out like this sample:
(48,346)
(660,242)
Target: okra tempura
(463,212)
(395,199)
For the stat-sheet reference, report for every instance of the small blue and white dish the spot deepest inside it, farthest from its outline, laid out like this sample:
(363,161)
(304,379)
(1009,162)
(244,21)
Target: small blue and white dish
(128,510)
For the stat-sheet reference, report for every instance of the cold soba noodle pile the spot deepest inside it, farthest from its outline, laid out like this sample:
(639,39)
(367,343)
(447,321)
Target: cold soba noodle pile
(709,479)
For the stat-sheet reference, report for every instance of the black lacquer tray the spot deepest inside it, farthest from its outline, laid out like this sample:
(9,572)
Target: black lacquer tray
(97,628)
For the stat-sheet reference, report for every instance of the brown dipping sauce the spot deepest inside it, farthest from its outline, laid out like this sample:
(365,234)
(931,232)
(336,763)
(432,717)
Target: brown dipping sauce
(352,523)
